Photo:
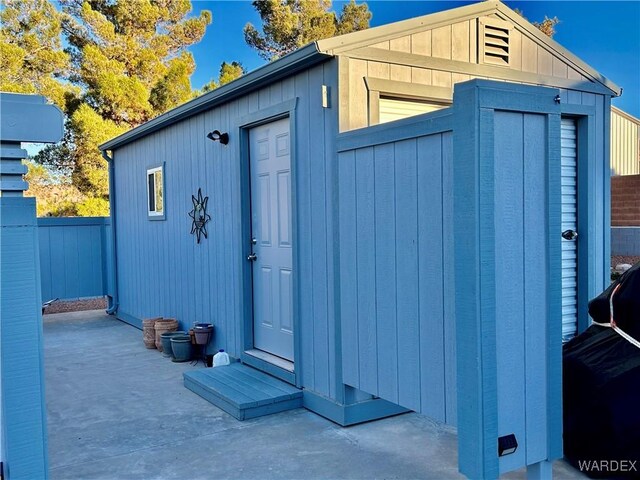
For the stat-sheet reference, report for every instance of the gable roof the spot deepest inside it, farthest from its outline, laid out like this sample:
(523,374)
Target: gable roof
(321,50)
(351,41)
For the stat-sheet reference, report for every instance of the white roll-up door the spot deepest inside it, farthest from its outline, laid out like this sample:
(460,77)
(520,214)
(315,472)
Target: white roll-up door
(394,109)
(569,223)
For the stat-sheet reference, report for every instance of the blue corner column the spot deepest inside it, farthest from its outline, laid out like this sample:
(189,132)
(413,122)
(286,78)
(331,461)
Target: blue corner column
(506,148)
(24,118)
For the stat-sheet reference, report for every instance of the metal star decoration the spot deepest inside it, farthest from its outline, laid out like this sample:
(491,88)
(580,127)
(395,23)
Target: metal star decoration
(199,215)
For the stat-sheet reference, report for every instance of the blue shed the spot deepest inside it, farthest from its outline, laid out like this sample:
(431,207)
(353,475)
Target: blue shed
(353,258)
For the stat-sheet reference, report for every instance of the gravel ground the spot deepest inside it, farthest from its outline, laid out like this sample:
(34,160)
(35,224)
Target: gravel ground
(618,259)
(63,306)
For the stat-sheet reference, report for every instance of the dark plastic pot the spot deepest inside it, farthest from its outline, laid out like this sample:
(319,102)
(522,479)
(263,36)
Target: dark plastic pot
(165,338)
(202,333)
(181,347)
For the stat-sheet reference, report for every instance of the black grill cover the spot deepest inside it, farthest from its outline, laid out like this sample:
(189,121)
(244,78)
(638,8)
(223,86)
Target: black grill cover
(626,303)
(601,380)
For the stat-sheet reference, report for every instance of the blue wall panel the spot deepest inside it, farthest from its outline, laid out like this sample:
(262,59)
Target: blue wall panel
(163,272)
(507,237)
(394,283)
(625,241)
(74,257)
(23,407)
(385,279)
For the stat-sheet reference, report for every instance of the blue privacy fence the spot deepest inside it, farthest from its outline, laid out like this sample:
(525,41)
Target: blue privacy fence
(625,241)
(75,253)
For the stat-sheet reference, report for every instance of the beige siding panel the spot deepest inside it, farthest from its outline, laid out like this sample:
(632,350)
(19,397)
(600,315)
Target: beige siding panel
(378,70)
(441,79)
(560,69)
(358,95)
(573,74)
(473,41)
(625,155)
(515,50)
(460,41)
(402,44)
(421,43)
(382,45)
(343,93)
(459,77)
(421,76)
(401,73)
(441,42)
(529,56)
(545,62)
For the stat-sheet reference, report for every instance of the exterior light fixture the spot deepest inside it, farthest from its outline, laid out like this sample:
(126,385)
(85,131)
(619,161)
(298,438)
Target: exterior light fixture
(216,136)
(507,445)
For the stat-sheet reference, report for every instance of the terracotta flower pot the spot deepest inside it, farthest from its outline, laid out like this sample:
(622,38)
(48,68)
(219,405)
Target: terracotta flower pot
(149,332)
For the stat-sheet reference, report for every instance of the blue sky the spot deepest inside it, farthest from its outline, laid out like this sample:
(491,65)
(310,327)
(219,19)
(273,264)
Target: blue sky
(606,35)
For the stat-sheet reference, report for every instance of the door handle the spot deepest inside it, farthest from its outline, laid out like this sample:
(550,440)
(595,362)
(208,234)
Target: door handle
(569,234)
(252,257)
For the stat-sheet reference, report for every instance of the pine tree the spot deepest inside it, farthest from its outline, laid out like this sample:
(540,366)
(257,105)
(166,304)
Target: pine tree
(31,56)
(290,24)
(127,62)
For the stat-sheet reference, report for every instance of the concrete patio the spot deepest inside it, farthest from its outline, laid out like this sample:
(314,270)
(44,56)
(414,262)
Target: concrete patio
(118,410)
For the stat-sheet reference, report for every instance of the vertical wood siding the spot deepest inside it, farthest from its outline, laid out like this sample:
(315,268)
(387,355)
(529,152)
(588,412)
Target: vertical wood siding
(457,41)
(74,257)
(396,295)
(625,144)
(161,269)
(24,421)
(521,282)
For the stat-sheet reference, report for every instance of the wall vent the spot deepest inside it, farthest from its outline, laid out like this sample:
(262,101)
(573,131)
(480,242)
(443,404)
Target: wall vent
(494,42)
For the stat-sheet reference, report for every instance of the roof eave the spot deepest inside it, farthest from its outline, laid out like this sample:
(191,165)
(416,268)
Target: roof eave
(556,47)
(285,66)
(626,115)
(335,45)
(342,43)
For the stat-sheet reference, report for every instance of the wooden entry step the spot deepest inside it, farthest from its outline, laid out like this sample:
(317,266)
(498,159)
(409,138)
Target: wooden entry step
(242,391)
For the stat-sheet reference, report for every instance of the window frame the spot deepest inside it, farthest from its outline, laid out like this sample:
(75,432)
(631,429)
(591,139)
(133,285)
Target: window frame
(156,214)
(377,87)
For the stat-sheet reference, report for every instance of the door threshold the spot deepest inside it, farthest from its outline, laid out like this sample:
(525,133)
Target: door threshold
(271,364)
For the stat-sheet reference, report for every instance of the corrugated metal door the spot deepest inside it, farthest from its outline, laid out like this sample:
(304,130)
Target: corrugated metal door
(394,109)
(568,137)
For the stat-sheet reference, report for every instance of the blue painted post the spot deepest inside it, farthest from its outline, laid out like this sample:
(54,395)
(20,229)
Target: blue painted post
(507,263)
(22,409)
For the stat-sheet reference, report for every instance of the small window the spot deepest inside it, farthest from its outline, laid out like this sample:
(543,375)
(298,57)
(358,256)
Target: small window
(155,193)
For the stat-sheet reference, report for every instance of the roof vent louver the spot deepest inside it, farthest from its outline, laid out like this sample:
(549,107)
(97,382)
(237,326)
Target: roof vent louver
(494,42)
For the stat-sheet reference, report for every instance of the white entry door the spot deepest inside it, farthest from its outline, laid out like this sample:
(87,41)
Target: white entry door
(270,163)
(568,162)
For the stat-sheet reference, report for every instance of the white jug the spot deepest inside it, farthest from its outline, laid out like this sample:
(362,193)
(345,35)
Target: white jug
(220,359)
